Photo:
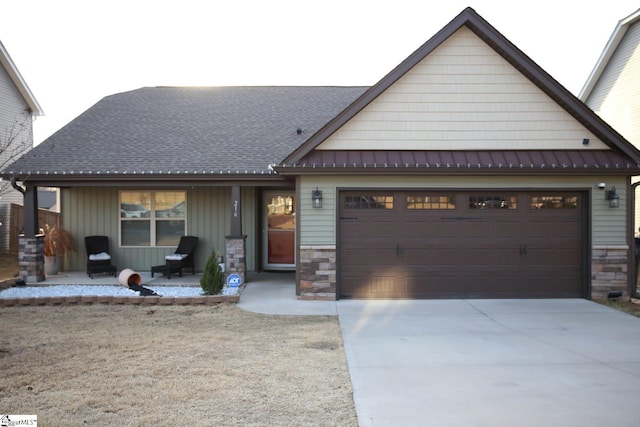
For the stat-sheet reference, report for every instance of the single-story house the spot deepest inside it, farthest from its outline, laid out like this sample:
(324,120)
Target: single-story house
(466,172)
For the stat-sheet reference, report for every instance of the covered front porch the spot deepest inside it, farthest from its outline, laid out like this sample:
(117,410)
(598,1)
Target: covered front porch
(243,224)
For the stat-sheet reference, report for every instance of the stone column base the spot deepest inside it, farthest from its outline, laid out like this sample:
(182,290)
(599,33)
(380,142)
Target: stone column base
(318,273)
(236,259)
(609,270)
(31,258)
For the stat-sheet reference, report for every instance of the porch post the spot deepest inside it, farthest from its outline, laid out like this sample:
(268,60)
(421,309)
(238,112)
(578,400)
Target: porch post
(31,243)
(236,246)
(30,196)
(236,212)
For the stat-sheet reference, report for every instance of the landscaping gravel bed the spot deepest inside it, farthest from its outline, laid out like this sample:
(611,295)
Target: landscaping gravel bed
(97,290)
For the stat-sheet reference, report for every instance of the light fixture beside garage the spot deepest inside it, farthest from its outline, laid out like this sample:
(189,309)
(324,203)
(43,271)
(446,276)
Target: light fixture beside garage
(613,198)
(316,197)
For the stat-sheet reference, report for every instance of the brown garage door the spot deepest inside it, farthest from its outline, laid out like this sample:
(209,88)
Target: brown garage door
(460,244)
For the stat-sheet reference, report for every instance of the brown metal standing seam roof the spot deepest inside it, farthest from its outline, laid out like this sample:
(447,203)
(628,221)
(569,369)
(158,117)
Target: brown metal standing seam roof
(515,161)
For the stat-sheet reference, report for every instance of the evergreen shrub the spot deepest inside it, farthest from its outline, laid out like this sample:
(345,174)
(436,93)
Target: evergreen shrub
(212,279)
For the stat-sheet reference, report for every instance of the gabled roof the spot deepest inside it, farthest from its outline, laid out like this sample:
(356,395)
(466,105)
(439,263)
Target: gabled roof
(183,133)
(19,82)
(172,135)
(607,53)
(299,159)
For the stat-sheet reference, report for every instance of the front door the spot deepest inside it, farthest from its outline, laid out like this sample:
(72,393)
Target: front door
(279,229)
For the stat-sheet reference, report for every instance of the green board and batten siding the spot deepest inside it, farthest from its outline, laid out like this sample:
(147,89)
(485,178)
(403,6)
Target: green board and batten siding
(318,226)
(94,211)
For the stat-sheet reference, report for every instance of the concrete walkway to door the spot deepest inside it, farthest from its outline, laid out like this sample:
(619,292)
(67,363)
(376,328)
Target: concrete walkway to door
(492,363)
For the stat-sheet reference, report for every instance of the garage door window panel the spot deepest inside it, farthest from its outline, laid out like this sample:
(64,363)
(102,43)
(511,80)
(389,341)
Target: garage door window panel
(431,202)
(554,202)
(367,202)
(493,201)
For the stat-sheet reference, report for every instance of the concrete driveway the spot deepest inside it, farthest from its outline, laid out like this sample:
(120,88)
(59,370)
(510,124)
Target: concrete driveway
(567,362)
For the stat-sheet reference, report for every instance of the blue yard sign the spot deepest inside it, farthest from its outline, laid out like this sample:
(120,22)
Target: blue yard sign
(233,281)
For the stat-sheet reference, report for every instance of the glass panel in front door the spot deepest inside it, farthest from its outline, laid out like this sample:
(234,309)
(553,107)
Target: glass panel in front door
(281,227)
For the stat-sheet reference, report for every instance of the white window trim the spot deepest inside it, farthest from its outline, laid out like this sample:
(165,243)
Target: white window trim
(152,218)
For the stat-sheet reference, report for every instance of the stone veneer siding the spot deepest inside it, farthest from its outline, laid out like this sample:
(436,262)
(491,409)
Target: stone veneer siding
(609,270)
(236,259)
(317,273)
(31,258)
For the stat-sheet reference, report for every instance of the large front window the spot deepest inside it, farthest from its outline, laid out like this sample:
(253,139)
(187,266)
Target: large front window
(152,218)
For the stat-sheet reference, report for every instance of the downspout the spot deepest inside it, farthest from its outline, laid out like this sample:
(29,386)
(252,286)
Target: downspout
(18,187)
(30,214)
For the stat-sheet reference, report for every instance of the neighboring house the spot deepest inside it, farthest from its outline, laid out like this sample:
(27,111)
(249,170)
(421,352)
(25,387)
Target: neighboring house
(467,171)
(613,87)
(18,106)
(48,199)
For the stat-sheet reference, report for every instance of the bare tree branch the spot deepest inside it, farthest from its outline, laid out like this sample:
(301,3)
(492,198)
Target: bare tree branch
(15,140)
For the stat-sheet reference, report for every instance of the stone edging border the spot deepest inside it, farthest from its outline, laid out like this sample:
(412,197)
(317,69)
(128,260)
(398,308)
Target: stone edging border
(119,300)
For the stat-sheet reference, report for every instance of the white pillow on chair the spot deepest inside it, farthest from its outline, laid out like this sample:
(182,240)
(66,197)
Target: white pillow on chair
(102,256)
(176,257)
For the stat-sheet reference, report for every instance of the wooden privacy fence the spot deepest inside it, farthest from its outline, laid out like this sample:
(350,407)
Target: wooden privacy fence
(17,223)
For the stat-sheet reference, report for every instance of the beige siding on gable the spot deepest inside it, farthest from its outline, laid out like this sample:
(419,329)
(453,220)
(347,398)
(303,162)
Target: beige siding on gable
(616,95)
(462,96)
(318,226)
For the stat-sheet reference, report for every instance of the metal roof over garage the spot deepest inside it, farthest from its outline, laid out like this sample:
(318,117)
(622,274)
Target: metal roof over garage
(516,161)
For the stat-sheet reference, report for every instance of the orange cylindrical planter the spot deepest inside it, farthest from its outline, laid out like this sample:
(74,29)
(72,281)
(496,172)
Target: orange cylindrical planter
(129,276)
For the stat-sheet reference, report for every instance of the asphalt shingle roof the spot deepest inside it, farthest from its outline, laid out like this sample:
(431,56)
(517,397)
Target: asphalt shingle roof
(187,130)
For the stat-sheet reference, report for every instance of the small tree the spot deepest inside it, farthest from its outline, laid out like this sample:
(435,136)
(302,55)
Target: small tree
(212,279)
(16,138)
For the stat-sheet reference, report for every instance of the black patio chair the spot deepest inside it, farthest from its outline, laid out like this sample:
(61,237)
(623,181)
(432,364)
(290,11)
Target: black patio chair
(98,256)
(183,257)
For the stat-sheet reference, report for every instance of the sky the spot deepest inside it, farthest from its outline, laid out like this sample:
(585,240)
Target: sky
(72,53)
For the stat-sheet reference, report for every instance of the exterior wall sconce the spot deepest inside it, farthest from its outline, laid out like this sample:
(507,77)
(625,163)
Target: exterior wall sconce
(613,198)
(316,197)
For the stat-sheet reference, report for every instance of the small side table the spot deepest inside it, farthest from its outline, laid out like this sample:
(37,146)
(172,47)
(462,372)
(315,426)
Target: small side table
(165,270)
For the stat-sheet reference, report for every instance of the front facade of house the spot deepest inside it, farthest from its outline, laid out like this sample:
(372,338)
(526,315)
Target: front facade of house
(466,172)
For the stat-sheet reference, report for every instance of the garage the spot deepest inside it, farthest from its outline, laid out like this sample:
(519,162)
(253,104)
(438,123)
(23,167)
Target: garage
(461,244)
(465,172)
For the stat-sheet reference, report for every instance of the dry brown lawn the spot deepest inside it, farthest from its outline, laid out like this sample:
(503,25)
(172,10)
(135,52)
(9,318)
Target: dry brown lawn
(627,305)
(8,266)
(172,365)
